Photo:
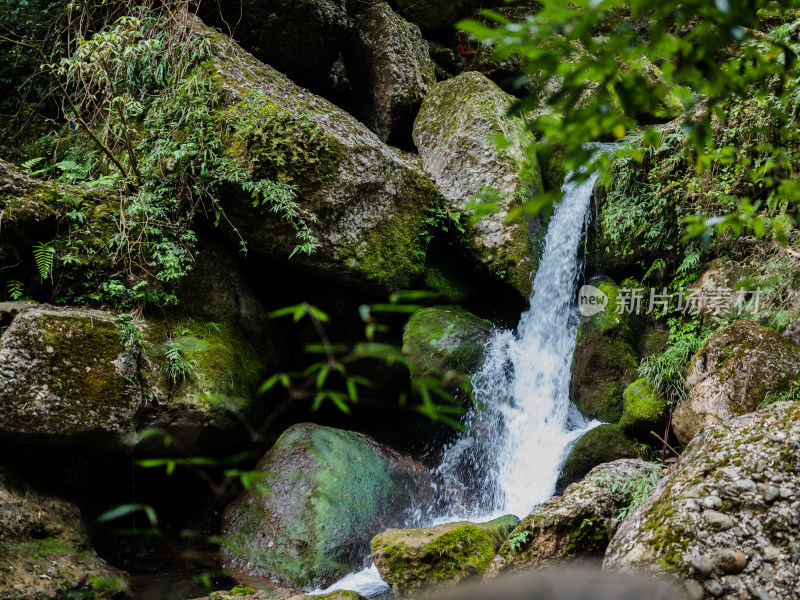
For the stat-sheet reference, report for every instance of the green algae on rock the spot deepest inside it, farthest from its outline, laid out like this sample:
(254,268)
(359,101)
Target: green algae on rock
(323,496)
(364,202)
(445,338)
(731,375)
(643,411)
(454,134)
(415,560)
(604,443)
(604,362)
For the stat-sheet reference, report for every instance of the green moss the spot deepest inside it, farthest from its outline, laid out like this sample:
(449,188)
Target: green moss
(643,410)
(445,338)
(599,445)
(591,537)
(551,162)
(410,559)
(323,495)
(392,255)
(80,353)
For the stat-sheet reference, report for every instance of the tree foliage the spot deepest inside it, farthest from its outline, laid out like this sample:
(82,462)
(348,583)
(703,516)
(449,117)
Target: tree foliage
(579,87)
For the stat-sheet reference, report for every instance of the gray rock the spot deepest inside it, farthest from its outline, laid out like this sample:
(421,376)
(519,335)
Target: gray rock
(745,536)
(453,134)
(365,202)
(731,375)
(393,71)
(326,494)
(577,524)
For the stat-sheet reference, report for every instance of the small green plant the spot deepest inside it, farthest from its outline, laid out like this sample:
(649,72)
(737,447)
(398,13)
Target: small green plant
(176,365)
(666,372)
(211,328)
(518,540)
(15,290)
(44,253)
(636,489)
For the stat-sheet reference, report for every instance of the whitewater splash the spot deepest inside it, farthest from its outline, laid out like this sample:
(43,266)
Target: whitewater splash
(523,418)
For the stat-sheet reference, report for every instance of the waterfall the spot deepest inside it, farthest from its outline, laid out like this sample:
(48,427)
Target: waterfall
(523,420)
(523,416)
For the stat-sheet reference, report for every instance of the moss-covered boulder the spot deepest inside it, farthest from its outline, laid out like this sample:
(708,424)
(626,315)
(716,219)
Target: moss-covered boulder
(602,444)
(604,362)
(65,374)
(454,134)
(579,524)
(302,38)
(413,560)
(92,377)
(392,70)
(364,202)
(445,338)
(45,549)
(200,378)
(731,375)
(643,411)
(323,495)
(726,520)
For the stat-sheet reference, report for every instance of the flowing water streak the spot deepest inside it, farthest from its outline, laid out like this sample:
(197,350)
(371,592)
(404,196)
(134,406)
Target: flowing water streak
(524,419)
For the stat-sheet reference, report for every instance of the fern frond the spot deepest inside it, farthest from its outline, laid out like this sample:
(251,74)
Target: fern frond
(44,253)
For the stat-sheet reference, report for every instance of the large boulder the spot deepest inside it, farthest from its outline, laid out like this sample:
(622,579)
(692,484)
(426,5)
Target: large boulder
(455,134)
(726,520)
(45,550)
(323,495)
(302,38)
(603,444)
(365,202)
(604,361)
(731,375)
(91,377)
(643,411)
(432,14)
(393,71)
(580,523)
(65,374)
(413,560)
(445,338)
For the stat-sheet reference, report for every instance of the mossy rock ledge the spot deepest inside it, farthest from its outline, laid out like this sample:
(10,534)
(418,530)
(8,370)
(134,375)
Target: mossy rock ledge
(415,560)
(262,591)
(452,133)
(577,525)
(69,376)
(604,362)
(604,443)
(725,522)
(44,535)
(326,493)
(731,375)
(370,201)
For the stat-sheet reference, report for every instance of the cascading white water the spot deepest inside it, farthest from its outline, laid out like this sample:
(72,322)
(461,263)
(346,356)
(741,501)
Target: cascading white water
(523,417)
(523,387)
